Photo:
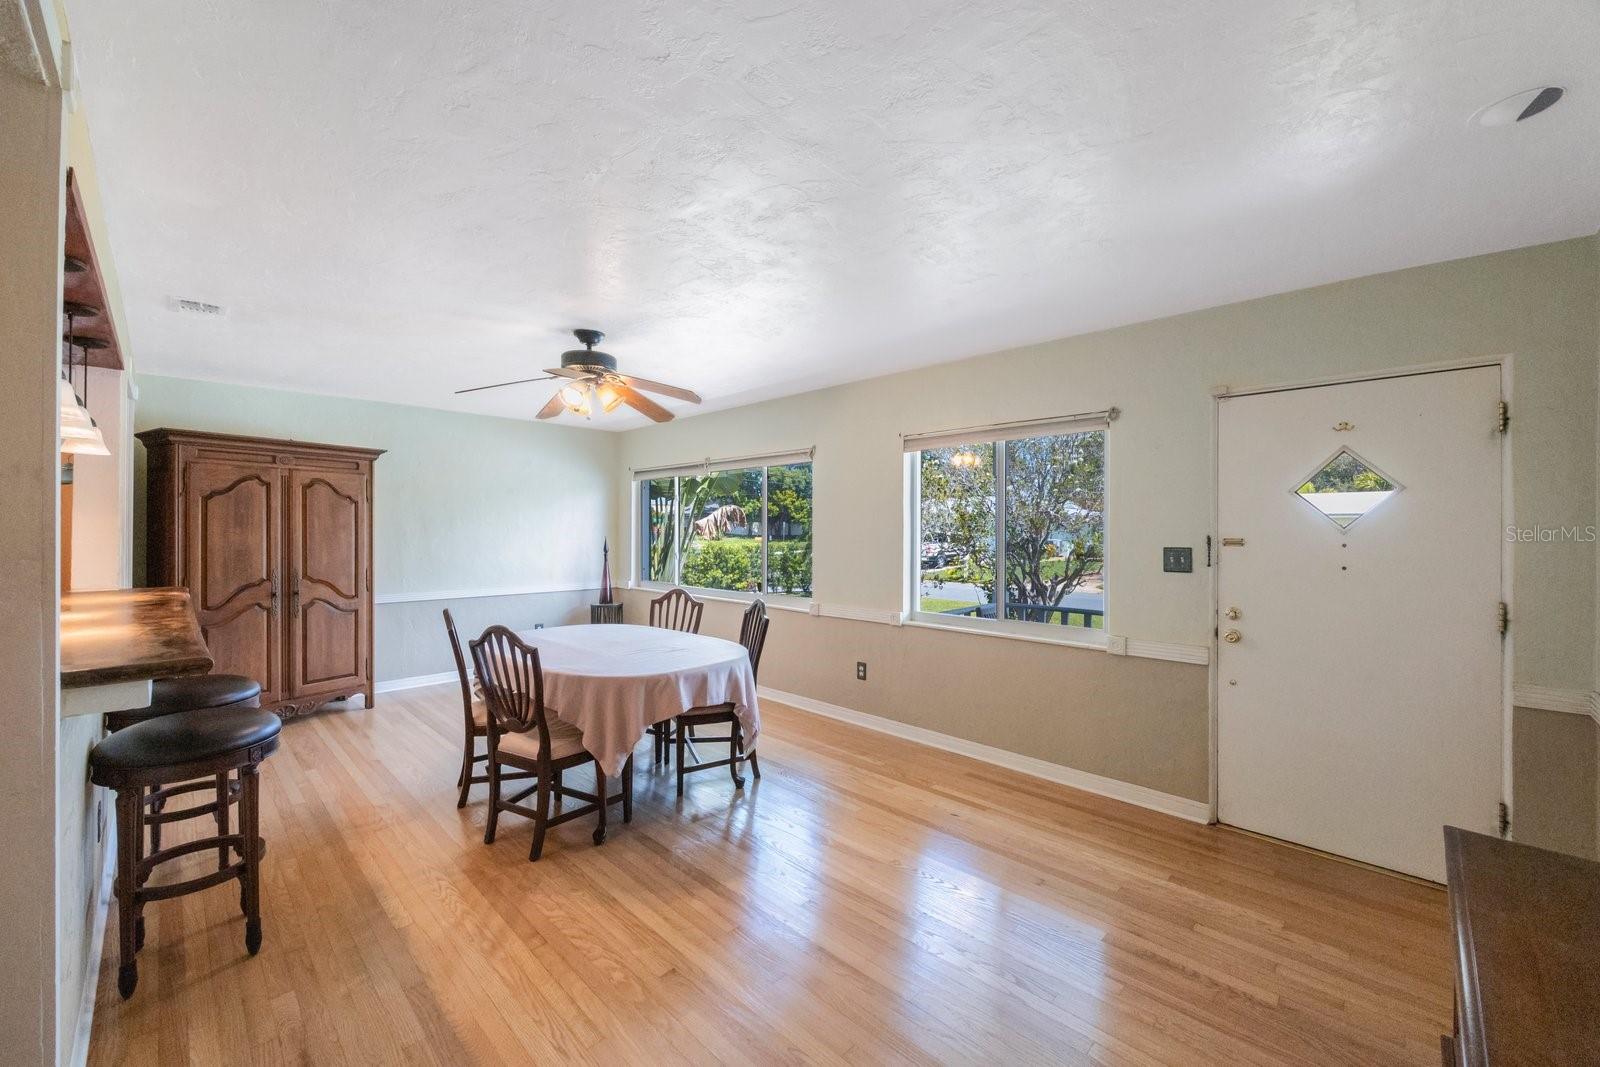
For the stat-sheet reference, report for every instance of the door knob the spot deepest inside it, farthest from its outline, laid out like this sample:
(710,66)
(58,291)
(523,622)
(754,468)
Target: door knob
(1232,613)
(1232,637)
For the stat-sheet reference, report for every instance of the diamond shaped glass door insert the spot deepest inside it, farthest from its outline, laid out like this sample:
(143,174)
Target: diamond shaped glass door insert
(1345,488)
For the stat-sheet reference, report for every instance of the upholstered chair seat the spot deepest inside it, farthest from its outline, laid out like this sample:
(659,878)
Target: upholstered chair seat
(565,740)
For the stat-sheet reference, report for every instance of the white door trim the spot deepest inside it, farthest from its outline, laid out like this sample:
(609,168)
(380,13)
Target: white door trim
(1507,517)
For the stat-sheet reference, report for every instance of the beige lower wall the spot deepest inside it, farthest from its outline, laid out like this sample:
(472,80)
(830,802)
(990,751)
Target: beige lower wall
(1078,707)
(1137,720)
(1553,774)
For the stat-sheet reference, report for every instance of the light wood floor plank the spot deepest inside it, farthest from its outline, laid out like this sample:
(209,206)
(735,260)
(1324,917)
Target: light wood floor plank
(870,900)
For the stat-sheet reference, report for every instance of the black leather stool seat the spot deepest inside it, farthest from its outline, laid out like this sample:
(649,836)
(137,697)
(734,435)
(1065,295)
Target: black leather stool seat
(188,692)
(174,740)
(168,696)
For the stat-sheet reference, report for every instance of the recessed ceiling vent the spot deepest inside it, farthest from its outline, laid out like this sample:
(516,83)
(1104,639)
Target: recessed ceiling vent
(1520,107)
(197,307)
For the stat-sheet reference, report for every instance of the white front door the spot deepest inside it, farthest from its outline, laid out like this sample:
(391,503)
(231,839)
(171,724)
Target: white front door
(1359,675)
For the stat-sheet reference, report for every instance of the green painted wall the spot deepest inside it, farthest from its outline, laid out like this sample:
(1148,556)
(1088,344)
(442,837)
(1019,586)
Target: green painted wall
(463,504)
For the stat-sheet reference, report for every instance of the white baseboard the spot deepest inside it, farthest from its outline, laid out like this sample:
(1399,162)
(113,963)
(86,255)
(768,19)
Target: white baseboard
(79,1055)
(1145,797)
(1546,698)
(415,682)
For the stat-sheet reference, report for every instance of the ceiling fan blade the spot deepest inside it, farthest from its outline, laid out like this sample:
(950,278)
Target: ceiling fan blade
(643,404)
(552,407)
(501,385)
(566,372)
(661,387)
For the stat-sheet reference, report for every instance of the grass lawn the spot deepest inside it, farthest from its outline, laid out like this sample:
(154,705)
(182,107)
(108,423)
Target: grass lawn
(930,603)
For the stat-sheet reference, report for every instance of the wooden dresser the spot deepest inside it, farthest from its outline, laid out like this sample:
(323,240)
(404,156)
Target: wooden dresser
(273,540)
(1526,926)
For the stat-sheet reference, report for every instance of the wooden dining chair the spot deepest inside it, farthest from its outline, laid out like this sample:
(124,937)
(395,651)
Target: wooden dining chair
(476,717)
(677,610)
(525,736)
(673,610)
(753,636)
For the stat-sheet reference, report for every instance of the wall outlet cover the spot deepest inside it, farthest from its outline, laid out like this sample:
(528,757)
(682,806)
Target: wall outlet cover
(1116,645)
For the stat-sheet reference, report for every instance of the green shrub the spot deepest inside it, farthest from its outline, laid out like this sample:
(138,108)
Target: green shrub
(789,567)
(726,564)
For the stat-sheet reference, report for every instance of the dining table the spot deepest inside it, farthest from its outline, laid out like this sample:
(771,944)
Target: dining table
(614,682)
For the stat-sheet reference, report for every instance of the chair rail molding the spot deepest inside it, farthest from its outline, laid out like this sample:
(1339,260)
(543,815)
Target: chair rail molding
(1548,698)
(479,593)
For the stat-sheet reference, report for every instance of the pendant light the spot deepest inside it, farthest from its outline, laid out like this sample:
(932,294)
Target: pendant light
(80,436)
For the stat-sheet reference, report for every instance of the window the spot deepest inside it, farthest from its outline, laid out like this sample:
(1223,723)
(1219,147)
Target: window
(1012,529)
(743,530)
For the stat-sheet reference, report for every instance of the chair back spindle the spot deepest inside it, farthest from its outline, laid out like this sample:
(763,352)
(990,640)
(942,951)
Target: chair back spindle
(676,610)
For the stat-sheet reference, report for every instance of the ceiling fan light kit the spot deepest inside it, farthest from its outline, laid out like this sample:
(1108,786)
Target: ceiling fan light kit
(596,386)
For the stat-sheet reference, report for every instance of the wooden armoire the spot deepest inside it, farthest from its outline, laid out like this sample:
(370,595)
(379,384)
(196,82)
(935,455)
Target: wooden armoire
(273,540)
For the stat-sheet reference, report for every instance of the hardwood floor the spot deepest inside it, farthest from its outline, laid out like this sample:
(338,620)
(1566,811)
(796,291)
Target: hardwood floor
(868,901)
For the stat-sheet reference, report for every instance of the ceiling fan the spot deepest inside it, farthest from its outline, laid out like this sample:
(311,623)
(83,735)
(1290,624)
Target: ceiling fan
(595,387)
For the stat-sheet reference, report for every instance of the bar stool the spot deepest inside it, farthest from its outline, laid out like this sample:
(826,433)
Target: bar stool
(172,696)
(181,748)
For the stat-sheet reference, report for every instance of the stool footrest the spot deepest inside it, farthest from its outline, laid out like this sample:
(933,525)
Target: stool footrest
(156,859)
(167,792)
(193,885)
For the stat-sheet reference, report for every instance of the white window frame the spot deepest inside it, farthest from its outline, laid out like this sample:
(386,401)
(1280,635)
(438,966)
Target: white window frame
(1054,633)
(642,478)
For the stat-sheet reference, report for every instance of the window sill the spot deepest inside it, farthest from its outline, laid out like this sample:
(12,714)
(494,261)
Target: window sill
(774,602)
(1088,639)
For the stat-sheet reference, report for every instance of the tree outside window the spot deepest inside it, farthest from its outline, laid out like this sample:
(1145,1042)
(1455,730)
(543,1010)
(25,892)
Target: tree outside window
(746,530)
(1049,495)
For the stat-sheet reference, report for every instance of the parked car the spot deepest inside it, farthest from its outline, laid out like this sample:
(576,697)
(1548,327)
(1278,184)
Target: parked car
(933,553)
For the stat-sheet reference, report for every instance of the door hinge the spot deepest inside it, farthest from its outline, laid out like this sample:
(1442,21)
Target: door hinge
(1504,618)
(1504,422)
(1505,819)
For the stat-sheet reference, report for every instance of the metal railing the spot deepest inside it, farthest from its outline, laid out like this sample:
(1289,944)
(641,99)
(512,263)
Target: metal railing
(1026,612)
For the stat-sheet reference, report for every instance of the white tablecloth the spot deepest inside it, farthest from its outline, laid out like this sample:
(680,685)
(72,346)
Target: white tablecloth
(613,682)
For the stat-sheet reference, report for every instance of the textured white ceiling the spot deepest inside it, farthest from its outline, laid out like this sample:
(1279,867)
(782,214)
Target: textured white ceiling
(397,199)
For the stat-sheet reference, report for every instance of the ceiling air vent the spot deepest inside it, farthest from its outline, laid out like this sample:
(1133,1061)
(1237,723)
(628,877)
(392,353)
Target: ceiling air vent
(197,307)
(1521,106)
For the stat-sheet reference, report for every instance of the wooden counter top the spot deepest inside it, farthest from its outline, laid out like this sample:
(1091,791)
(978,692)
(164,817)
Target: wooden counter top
(129,635)
(1527,932)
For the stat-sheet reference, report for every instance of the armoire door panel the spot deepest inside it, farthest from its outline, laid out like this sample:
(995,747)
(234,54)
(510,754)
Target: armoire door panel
(244,641)
(232,564)
(235,534)
(328,539)
(329,544)
(331,650)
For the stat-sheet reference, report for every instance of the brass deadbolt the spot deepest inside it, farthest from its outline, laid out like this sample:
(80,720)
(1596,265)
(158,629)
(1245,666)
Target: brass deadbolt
(1232,637)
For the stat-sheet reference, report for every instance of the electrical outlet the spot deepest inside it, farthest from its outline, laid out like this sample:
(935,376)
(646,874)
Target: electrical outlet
(861,670)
